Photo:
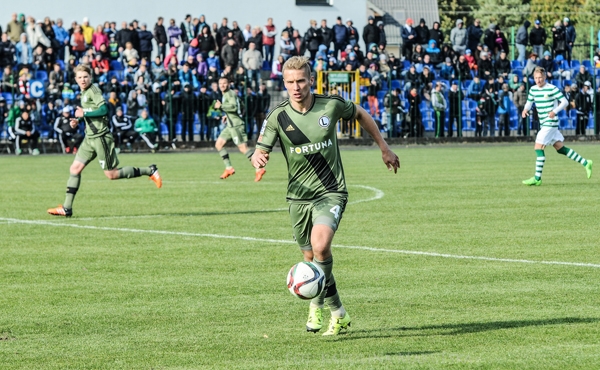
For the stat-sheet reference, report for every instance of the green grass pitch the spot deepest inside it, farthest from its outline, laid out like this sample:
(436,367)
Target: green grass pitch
(452,263)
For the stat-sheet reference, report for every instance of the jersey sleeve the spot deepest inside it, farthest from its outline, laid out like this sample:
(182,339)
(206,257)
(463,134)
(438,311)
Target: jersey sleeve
(268,134)
(348,110)
(530,97)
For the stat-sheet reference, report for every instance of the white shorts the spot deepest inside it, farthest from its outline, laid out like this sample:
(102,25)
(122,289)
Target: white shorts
(548,136)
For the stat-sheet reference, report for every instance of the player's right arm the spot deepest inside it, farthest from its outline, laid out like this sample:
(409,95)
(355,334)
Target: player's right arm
(528,105)
(266,140)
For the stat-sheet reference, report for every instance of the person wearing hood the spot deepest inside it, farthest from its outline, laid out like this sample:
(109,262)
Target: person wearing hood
(423,34)
(489,37)
(409,37)
(371,32)
(435,55)
(36,35)
(322,53)
(570,36)
(458,37)
(474,33)
(382,36)
(522,40)
(436,33)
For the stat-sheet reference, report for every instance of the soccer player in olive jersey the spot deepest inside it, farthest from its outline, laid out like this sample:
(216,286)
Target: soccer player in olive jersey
(305,126)
(549,101)
(235,130)
(98,143)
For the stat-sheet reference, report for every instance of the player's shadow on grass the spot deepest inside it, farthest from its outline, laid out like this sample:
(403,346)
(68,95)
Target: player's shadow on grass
(464,328)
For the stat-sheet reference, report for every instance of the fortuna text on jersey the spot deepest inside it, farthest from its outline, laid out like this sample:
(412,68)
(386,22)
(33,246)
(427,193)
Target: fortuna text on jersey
(310,148)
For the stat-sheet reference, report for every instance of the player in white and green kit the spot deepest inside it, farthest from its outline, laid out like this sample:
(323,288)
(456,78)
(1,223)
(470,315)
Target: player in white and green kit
(306,127)
(549,101)
(98,143)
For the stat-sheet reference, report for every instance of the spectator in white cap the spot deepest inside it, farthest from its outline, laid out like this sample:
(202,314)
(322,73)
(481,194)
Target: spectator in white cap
(87,30)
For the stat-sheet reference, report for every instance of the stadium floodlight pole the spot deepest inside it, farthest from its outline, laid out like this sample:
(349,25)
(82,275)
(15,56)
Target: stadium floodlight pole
(594,82)
(171,132)
(389,112)
(460,101)
(244,92)
(512,42)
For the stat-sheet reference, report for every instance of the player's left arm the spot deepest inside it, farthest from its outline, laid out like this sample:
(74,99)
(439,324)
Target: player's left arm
(390,158)
(562,103)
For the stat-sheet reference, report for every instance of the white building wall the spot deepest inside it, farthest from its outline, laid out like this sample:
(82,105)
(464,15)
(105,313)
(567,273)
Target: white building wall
(254,12)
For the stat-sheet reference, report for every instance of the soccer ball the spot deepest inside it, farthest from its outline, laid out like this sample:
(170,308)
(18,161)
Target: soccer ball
(306,280)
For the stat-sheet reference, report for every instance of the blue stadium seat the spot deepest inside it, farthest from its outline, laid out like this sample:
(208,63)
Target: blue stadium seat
(406,64)
(397,84)
(575,64)
(164,129)
(117,74)
(587,64)
(590,121)
(178,129)
(266,66)
(116,65)
(516,64)
(8,98)
(41,75)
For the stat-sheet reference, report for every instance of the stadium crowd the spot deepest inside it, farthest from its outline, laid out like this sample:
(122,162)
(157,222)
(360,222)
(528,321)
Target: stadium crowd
(162,82)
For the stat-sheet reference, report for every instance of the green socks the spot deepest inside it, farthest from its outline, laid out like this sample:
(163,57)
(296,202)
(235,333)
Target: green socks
(131,172)
(572,154)
(330,295)
(539,163)
(223,153)
(249,153)
(72,187)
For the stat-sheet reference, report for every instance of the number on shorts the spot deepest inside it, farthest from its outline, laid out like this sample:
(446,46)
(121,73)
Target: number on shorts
(102,163)
(336,211)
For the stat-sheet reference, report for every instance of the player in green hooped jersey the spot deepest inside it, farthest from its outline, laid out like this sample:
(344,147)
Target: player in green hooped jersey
(305,126)
(549,101)
(235,130)
(98,143)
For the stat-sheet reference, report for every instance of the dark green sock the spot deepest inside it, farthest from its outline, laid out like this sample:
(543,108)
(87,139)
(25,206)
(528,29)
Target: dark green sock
(131,172)
(225,156)
(72,187)
(330,295)
(572,154)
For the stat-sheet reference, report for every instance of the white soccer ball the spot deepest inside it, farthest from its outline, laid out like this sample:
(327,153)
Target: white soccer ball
(306,280)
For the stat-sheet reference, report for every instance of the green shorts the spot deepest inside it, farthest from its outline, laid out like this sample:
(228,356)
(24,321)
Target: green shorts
(235,133)
(326,210)
(102,147)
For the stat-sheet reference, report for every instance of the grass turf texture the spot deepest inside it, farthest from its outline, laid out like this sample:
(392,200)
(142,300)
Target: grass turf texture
(83,298)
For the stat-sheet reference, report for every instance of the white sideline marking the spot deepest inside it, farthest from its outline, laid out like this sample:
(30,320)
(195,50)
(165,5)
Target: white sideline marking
(378,195)
(248,238)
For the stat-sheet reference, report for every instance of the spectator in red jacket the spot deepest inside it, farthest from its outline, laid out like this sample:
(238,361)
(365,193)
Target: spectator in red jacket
(269,33)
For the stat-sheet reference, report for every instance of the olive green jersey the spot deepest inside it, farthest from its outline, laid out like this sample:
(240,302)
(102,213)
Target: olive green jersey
(91,100)
(309,144)
(231,106)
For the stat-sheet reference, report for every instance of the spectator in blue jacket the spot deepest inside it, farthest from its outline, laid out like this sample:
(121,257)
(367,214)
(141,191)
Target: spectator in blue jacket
(570,36)
(474,33)
(24,52)
(187,77)
(62,36)
(340,36)
(475,88)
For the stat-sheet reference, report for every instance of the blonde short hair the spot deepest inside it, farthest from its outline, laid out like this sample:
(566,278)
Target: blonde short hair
(540,70)
(83,68)
(297,63)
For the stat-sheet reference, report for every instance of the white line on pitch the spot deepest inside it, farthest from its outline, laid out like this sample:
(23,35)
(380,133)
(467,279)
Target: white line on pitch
(248,238)
(378,195)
